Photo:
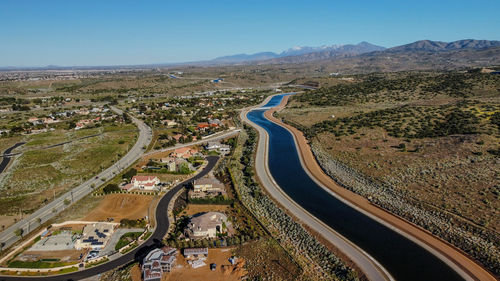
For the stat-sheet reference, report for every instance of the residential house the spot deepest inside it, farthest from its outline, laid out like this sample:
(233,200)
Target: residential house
(145,182)
(169,123)
(207,186)
(217,146)
(206,225)
(184,152)
(157,262)
(174,164)
(170,164)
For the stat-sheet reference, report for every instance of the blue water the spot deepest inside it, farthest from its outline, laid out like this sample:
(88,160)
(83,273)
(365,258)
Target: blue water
(404,259)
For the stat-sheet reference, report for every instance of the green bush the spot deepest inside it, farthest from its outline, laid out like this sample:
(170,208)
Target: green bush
(110,188)
(126,238)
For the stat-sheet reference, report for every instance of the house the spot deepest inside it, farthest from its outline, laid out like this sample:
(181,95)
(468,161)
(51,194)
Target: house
(225,149)
(204,125)
(217,146)
(213,145)
(214,122)
(195,253)
(169,123)
(145,182)
(157,262)
(95,236)
(207,186)
(170,164)
(206,225)
(174,164)
(35,121)
(184,152)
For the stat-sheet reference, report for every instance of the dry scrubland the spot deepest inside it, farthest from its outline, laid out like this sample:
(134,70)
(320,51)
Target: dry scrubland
(40,172)
(422,145)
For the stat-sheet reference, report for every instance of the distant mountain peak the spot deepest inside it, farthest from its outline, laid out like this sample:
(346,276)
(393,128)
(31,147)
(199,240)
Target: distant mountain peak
(439,46)
(297,51)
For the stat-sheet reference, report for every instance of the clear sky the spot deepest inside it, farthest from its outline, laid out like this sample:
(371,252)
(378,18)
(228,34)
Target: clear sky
(118,32)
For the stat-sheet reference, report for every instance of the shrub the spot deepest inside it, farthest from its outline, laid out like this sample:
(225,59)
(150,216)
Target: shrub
(110,188)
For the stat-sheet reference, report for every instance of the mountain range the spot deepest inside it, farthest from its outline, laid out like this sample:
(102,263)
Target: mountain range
(438,46)
(461,53)
(306,54)
(324,51)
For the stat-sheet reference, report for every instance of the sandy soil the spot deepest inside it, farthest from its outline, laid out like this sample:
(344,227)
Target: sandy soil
(192,209)
(7,221)
(452,253)
(119,206)
(224,272)
(71,227)
(64,255)
(135,273)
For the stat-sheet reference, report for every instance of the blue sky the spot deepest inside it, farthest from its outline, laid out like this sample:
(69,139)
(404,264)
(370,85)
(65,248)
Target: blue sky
(112,32)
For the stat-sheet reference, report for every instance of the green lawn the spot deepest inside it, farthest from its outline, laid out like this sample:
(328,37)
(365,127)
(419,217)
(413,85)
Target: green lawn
(37,264)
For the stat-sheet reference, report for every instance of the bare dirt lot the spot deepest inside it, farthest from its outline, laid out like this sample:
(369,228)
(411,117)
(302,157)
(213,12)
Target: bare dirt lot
(6,221)
(120,206)
(192,209)
(64,255)
(224,272)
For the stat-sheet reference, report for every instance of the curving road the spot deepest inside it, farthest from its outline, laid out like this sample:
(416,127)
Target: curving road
(7,155)
(138,253)
(50,210)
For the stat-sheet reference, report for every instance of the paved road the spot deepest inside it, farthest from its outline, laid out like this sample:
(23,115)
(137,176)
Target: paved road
(373,270)
(138,253)
(51,209)
(7,155)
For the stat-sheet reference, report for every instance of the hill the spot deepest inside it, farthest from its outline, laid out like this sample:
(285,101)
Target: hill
(438,46)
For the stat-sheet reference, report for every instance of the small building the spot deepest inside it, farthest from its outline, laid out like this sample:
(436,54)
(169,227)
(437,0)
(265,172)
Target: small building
(145,182)
(95,236)
(157,262)
(195,253)
(207,186)
(217,146)
(169,164)
(206,225)
(184,152)
(225,149)
(169,123)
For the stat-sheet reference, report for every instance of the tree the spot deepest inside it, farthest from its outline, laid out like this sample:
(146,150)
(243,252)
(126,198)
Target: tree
(71,125)
(130,174)
(19,232)
(110,188)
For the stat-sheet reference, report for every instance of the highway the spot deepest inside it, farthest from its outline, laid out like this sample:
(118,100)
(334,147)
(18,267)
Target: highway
(138,253)
(54,207)
(370,267)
